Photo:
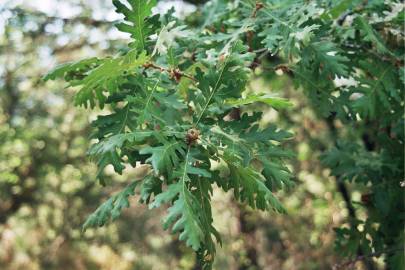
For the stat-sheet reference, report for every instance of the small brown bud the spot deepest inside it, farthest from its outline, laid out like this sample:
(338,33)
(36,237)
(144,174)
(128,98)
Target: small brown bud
(366,198)
(192,135)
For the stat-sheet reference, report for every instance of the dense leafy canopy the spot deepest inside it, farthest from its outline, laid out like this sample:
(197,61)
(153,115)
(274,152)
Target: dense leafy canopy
(176,101)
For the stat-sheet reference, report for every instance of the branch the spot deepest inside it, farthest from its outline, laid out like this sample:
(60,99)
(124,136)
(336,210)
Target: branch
(347,264)
(174,73)
(346,194)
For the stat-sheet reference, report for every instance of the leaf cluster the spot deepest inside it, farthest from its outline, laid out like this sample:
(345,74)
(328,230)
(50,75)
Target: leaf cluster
(177,101)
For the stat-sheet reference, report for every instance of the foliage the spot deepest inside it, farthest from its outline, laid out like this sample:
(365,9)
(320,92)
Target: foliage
(175,102)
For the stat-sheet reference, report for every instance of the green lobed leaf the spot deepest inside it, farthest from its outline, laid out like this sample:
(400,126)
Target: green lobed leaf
(165,157)
(106,77)
(139,21)
(369,34)
(111,209)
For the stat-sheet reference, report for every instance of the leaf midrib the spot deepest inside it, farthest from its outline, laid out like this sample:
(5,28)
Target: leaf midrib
(140,24)
(212,94)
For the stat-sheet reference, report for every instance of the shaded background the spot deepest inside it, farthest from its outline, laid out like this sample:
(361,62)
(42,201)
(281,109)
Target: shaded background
(48,185)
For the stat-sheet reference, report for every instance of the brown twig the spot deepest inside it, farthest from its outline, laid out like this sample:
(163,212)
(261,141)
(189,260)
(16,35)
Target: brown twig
(258,7)
(249,34)
(174,73)
(350,263)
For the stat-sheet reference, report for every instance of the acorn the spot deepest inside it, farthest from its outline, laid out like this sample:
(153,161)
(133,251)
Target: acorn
(192,135)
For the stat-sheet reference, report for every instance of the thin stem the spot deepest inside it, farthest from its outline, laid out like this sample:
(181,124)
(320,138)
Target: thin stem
(183,178)
(212,93)
(176,73)
(139,26)
(125,120)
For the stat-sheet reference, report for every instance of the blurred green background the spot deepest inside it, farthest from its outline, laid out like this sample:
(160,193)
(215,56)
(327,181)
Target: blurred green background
(48,185)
